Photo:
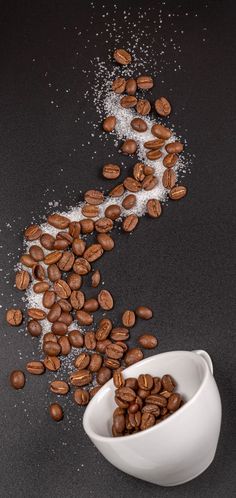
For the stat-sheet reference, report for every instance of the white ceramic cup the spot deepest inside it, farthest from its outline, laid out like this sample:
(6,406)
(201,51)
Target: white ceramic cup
(180,447)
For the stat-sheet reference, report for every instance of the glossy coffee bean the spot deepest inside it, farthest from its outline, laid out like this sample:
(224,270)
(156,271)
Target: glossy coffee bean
(129,201)
(52,363)
(111,171)
(80,378)
(113,212)
(94,197)
(103,375)
(133,356)
(105,300)
(34,328)
(82,361)
(56,412)
(35,367)
(106,241)
(32,232)
(53,273)
(103,225)
(144,312)
(81,266)
(81,397)
(139,125)
(65,345)
(96,278)
(169,178)
(168,383)
(93,252)
(40,287)
(163,107)
(14,316)
(117,191)
(174,402)
(76,338)
(170,160)
(59,387)
(143,107)
(17,379)
(36,252)
(130,223)
(161,131)
(154,208)
(131,184)
(128,318)
(54,313)
(122,56)
(128,101)
(178,192)
(131,86)
(109,123)
(95,362)
(118,85)
(147,341)
(174,148)
(129,147)
(22,280)
(84,318)
(104,329)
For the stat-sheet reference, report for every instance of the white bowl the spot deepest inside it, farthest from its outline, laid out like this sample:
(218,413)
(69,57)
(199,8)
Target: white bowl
(180,447)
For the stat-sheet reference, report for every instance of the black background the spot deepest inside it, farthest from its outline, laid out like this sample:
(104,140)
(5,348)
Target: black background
(182,265)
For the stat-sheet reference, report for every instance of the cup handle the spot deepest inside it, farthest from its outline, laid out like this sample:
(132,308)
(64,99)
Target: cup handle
(206,357)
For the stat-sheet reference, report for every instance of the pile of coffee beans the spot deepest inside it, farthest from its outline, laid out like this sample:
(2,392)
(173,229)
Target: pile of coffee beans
(143,402)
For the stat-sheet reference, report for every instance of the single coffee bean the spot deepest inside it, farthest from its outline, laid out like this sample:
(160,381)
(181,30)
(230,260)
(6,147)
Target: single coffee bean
(174,402)
(148,170)
(148,341)
(120,403)
(143,107)
(122,345)
(47,241)
(22,279)
(138,172)
(95,362)
(17,379)
(93,252)
(105,300)
(154,208)
(65,316)
(40,287)
(53,273)
(178,192)
(90,340)
(143,394)
(54,313)
(90,211)
(106,241)
(163,107)
(113,212)
(78,246)
(58,221)
(56,412)
(118,379)
(91,305)
(161,131)
(128,318)
(27,260)
(129,201)
(131,86)
(80,378)
(119,423)
(63,235)
(94,197)
(87,226)
(34,328)
(74,229)
(76,338)
(62,289)
(156,399)
(126,394)
(118,85)
(154,409)
(66,262)
(133,356)
(74,281)
(145,381)
(33,232)
(147,421)
(169,178)
(122,56)
(103,225)
(132,383)
(58,328)
(170,160)
(104,329)
(111,171)
(94,391)
(145,82)
(153,155)
(36,252)
(119,334)
(103,375)
(109,123)
(133,407)
(81,397)
(111,363)
(168,383)
(139,125)
(144,312)
(81,266)
(60,244)
(131,184)
(117,191)
(101,346)
(35,367)
(156,385)
(157,143)
(130,222)
(84,318)
(52,258)
(128,101)
(14,316)
(96,278)
(129,147)
(174,147)
(64,344)
(52,363)
(59,387)
(49,337)
(51,348)
(82,361)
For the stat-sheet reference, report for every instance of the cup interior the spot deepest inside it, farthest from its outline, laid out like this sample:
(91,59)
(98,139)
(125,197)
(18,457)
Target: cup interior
(187,368)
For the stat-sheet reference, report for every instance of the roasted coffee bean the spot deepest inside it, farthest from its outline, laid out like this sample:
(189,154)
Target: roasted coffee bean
(153,155)
(128,318)
(148,170)
(143,393)
(60,244)
(91,305)
(111,171)
(56,412)
(34,328)
(131,86)
(76,338)
(95,362)
(168,383)
(122,56)
(103,375)
(58,221)
(144,312)
(66,262)
(174,402)
(66,316)
(80,377)
(84,318)
(129,146)
(96,278)
(145,381)
(47,241)
(170,160)
(139,125)
(90,340)
(135,419)
(133,356)
(93,252)
(109,123)
(129,201)
(81,397)
(122,345)
(118,85)
(126,394)
(82,361)
(90,211)
(156,385)
(104,329)
(17,379)
(52,363)
(51,348)
(14,316)
(94,391)
(78,246)
(53,273)
(74,229)
(156,399)
(119,334)
(161,131)
(148,341)
(178,192)
(94,197)
(36,252)
(59,328)
(131,184)
(27,260)
(65,345)
(157,143)
(62,289)
(40,287)
(163,107)
(169,178)
(154,409)
(59,387)
(81,266)
(62,235)
(118,380)
(154,208)
(138,172)
(143,107)
(145,82)
(87,226)
(74,281)
(113,211)
(120,403)
(106,241)
(105,300)
(35,367)
(114,351)
(54,313)
(111,363)
(133,407)
(174,147)
(52,258)
(132,383)
(36,313)
(147,421)
(49,337)
(32,232)
(104,225)
(119,423)
(101,346)
(130,222)
(117,191)
(128,101)
(22,279)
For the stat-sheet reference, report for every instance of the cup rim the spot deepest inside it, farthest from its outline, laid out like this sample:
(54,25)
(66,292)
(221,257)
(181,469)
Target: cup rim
(95,436)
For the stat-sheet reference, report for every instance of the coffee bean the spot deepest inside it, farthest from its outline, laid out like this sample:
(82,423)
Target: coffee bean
(14,316)
(131,184)
(90,340)
(147,421)
(95,362)
(103,375)
(149,182)
(101,346)
(103,225)
(56,412)
(170,160)
(60,244)
(174,402)
(131,86)
(145,381)
(138,172)
(74,281)
(156,385)
(122,345)
(49,337)
(78,246)
(144,312)
(118,85)
(122,56)
(156,399)
(128,101)
(174,147)
(111,363)
(51,348)
(77,300)
(117,191)
(148,341)
(27,260)
(143,394)
(154,409)
(153,155)
(163,107)
(82,361)
(87,226)
(106,241)
(84,318)
(126,394)
(133,407)
(132,383)
(81,266)
(148,170)
(161,131)
(58,328)
(93,252)
(129,147)
(178,192)
(74,229)
(113,211)
(128,318)
(62,235)
(130,222)
(34,328)
(81,397)
(133,356)
(169,178)
(109,123)
(40,287)
(62,289)
(66,262)
(53,273)
(154,208)
(52,258)
(143,107)
(65,315)
(54,313)
(119,423)
(58,221)
(80,378)
(91,305)
(145,82)
(94,391)
(36,252)
(129,201)
(47,241)
(104,329)
(76,338)
(157,143)
(52,363)
(33,232)
(35,367)
(119,334)
(121,403)
(118,379)
(96,278)
(139,125)
(65,345)
(59,387)
(94,197)
(105,300)
(168,383)
(111,171)
(22,279)
(17,379)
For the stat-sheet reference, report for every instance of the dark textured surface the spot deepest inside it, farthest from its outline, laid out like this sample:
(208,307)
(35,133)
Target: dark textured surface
(183,265)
